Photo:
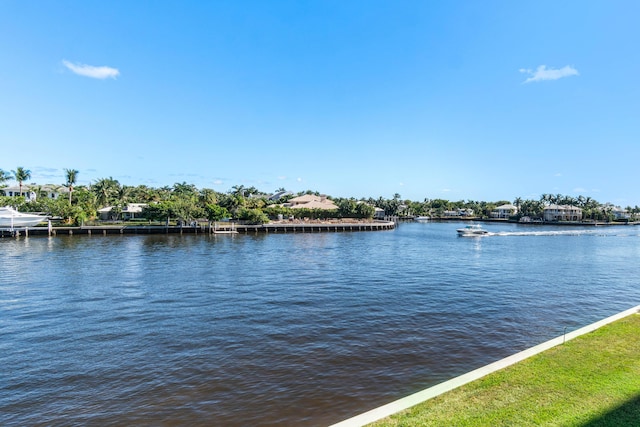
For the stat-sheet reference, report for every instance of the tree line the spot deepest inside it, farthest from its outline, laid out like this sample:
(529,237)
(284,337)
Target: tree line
(185,202)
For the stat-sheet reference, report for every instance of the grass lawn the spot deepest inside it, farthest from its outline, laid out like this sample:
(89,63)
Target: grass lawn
(592,380)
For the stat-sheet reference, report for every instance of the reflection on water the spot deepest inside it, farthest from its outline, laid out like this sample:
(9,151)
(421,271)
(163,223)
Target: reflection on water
(285,329)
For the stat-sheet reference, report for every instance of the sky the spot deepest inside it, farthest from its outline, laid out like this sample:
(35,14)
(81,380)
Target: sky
(460,100)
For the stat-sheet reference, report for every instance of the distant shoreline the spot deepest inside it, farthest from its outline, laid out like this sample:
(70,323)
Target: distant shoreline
(536,223)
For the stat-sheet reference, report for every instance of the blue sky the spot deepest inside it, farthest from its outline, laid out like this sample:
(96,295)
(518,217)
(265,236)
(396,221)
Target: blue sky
(429,99)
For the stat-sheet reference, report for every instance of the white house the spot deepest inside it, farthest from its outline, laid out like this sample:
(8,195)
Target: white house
(31,192)
(378,213)
(562,213)
(620,213)
(504,211)
(459,212)
(130,211)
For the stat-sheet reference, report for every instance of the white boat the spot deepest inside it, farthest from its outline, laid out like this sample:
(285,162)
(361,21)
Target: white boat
(421,218)
(472,230)
(10,217)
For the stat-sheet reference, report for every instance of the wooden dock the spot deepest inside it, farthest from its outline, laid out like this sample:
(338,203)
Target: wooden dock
(227,228)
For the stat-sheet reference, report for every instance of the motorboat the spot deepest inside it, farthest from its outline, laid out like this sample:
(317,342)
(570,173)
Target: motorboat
(472,230)
(421,218)
(10,217)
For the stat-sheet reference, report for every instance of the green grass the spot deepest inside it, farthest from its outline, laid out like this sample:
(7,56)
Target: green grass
(592,380)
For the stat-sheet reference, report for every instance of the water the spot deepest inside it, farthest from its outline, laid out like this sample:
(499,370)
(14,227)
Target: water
(287,329)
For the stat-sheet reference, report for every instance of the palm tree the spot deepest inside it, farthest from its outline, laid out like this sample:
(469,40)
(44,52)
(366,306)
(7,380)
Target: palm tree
(517,202)
(252,191)
(38,191)
(208,196)
(124,194)
(184,189)
(72,176)
(4,176)
(106,190)
(546,198)
(162,194)
(142,194)
(238,190)
(21,174)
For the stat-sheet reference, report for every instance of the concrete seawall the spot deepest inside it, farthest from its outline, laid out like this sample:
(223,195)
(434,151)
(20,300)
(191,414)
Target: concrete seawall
(226,228)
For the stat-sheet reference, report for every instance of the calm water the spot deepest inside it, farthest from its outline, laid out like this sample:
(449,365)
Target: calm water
(287,329)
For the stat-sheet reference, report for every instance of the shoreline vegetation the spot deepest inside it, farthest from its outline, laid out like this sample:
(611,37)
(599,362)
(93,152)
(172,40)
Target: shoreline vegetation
(591,380)
(106,201)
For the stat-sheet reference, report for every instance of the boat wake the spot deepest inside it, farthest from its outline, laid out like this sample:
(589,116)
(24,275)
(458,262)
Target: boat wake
(556,233)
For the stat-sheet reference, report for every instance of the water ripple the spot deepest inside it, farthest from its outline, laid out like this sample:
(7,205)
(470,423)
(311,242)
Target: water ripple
(295,329)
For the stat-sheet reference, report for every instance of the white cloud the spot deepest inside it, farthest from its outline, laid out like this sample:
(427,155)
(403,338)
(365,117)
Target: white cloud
(543,73)
(91,71)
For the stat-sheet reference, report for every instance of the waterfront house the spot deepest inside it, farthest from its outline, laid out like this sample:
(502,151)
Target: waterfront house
(31,192)
(14,191)
(504,211)
(458,212)
(562,213)
(310,201)
(279,195)
(130,211)
(620,213)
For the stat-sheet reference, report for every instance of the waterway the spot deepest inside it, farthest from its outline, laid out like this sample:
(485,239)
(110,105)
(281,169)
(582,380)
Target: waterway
(285,329)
